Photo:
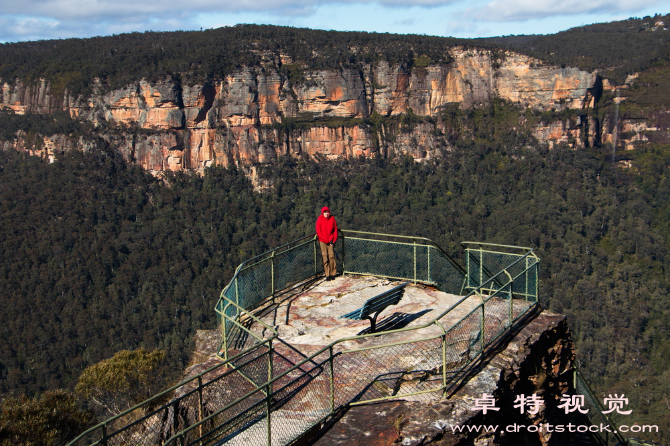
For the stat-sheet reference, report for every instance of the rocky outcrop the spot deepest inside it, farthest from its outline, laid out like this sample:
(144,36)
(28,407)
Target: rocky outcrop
(47,147)
(258,113)
(538,360)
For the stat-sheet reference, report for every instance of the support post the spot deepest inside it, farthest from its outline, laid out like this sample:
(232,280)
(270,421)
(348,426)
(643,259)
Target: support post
(268,392)
(468,272)
(444,365)
(481,267)
(267,407)
(481,332)
(272,260)
(237,291)
(511,303)
(527,272)
(332,381)
(316,267)
(414,262)
(537,282)
(270,347)
(200,406)
(343,253)
(225,334)
(428,272)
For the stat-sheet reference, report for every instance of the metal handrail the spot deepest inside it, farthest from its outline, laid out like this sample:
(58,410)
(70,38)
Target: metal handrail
(306,240)
(181,434)
(330,348)
(164,393)
(430,243)
(268,385)
(278,248)
(579,378)
(497,245)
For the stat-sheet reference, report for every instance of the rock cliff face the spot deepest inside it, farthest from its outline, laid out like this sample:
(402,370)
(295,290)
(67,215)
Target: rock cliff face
(537,360)
(256,113)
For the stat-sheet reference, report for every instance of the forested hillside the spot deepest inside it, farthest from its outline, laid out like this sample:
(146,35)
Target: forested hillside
(616,49)
(199,56)
(98,256)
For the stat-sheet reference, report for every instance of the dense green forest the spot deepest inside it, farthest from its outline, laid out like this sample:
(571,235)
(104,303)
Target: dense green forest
(98,256)
(616,49)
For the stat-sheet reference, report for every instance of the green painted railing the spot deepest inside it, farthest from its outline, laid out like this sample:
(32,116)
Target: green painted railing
(257,396)
(595,413)
(638,442)
(395,257)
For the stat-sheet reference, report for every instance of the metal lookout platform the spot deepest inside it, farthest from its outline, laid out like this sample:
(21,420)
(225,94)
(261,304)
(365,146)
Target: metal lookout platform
(289,361)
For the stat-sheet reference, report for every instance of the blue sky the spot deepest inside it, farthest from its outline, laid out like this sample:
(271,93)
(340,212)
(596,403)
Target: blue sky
(55,19)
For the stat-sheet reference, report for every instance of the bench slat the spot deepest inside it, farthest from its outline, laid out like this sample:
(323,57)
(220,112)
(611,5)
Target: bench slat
(377,304)
(392,299)
(355,315)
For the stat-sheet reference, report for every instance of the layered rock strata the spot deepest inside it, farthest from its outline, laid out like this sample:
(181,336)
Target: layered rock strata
(257,114)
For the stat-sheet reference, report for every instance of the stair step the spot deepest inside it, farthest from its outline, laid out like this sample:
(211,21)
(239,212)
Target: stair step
(285,425)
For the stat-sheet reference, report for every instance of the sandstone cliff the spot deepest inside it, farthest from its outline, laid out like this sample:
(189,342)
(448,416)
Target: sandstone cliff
(257,113)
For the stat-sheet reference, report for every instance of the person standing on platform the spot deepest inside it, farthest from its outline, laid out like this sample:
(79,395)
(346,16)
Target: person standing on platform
(326,232)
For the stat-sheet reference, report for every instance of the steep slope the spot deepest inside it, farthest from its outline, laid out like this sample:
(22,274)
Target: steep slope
(141,258)
(256,113)
(361,95)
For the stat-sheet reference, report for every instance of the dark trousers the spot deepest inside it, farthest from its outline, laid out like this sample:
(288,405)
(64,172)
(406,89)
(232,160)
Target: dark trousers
(328,256)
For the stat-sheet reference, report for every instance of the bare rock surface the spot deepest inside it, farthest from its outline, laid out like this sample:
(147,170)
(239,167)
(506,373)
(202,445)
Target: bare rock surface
(313,316)
(537,360)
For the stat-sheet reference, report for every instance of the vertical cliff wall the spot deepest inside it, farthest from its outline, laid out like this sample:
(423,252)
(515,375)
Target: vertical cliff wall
(259,113)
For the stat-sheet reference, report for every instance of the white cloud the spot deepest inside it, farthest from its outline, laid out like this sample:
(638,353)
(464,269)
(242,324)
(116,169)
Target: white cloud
(27,28)
(410,21)
(521,10)
(83,18)
(111,9)
(462,27)
(49,19)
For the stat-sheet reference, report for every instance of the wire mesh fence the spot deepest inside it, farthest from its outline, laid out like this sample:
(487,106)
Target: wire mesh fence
(153,421)
(406,258)
(388,259)
(228,404)
(395,370)
(462,343)
(295,265)
(260,396)
(259,278)
(484,268)
(227,422)
(275,413)
(595,413)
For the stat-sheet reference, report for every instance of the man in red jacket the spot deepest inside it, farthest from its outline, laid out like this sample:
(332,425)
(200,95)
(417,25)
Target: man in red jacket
(326,232)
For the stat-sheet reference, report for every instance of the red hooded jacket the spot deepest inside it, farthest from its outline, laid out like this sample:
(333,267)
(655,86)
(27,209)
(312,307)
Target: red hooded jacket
(326,228)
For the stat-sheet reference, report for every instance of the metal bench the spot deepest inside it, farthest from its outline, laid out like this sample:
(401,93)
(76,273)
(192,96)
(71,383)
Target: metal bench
(375,305)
